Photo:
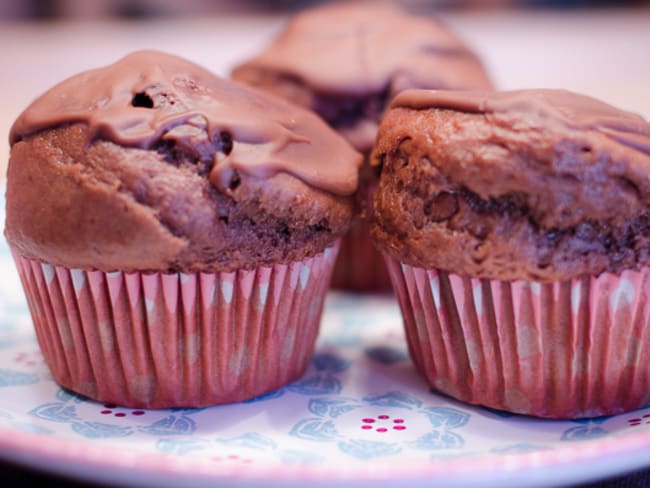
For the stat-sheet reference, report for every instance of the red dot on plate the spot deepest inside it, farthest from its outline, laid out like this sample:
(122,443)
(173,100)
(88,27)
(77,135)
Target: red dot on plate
(366,427)
(233,456)
(120,414)
(398,421)
(399,427)
(138,412)
(647,415)
(368,421)
(382,429)
(383,417)
(634,420)
(105,412)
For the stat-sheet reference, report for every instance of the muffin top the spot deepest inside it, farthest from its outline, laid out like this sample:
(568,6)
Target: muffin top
(155,164)
(346,60)
(539,185)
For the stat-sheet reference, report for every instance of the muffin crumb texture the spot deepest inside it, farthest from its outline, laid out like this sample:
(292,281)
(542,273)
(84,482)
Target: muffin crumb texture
(539,186)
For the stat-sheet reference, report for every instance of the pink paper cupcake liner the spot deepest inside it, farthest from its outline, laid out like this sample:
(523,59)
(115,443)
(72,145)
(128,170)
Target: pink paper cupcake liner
(572,349)
(360,266)
(158,340)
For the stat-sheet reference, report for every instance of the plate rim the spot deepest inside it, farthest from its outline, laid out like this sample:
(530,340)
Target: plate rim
(40,451)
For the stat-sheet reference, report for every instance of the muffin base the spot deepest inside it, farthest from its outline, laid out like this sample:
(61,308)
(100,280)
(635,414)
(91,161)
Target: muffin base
(571,349)
(158,340)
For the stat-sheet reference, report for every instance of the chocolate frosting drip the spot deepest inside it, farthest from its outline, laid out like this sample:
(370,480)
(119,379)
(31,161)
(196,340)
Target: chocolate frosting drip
(360,48)
(553,108)
(150,98)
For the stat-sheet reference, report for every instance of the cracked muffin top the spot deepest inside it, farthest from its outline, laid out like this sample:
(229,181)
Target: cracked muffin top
(539,185)
(347,60)
(155,164)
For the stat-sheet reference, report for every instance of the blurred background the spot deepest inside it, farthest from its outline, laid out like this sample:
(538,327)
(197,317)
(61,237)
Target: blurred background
(52,9)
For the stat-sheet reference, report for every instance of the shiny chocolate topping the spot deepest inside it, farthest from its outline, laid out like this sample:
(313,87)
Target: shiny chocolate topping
(148,98)
(361,47)
(552,107)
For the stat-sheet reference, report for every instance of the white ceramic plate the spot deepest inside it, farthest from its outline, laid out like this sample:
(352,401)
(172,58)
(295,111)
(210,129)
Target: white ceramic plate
(360,414)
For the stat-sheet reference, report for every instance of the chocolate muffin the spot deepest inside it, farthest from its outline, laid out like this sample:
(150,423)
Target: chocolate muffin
(345,62)
(517,226)
(174,231)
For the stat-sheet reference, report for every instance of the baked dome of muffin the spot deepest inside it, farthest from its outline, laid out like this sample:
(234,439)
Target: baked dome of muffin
(532,184)
(154,163)
(346,61)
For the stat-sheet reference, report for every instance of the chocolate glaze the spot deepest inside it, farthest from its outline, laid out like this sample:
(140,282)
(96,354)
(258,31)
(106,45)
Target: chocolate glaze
(148,97)
(532,184)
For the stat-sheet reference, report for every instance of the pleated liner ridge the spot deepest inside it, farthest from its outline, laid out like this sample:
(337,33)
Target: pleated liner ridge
(168,340)
(572,349)
(360,266)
